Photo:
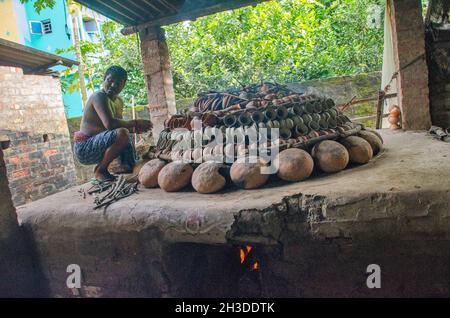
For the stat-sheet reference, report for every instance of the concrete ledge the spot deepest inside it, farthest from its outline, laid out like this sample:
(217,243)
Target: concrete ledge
(131,248)
(410,179)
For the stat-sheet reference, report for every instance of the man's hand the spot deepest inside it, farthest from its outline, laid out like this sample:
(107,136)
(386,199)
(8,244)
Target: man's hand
(143,125)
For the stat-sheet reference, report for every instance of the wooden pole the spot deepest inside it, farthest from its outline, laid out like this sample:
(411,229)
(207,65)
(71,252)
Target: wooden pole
(380,103)
(133,114)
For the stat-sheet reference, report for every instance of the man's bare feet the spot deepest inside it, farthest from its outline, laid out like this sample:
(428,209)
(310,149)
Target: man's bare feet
(103,174)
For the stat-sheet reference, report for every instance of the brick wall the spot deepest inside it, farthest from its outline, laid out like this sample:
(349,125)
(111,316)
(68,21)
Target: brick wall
(40,160)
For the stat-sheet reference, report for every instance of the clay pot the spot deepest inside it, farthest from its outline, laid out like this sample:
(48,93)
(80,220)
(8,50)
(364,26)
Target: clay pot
(148,174)
(373,140)
(330,156)
(393,120)
(229,151)
(207,179)
(248,175)
(187,155)
(358,149)
(395,111)
(375,133)
(208,153)
(394,126)
(192,122)
(208,119)
(294,165)
(197,155)
(175,176)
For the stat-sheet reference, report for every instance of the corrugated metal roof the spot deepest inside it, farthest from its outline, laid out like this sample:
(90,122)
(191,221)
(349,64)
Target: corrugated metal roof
(145,13)
(29,59)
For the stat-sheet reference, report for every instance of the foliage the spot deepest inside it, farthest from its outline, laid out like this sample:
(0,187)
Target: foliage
(40,4)
(113,49)
(282,41)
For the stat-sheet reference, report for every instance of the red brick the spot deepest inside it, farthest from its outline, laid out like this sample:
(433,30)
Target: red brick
(50,152)
(20,173)
(15,160)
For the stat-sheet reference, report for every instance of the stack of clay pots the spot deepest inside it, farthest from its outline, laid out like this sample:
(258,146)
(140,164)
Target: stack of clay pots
(313,136)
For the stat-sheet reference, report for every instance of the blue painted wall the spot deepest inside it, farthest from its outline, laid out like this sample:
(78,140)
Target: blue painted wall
(58,39)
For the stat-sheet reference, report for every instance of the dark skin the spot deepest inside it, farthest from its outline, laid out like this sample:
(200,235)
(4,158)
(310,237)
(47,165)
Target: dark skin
(97,118)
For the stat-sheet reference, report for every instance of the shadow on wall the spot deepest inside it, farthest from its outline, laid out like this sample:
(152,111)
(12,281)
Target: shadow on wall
(21,276)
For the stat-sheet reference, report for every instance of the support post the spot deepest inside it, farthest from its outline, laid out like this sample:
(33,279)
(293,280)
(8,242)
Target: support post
(158,77)
(409,45)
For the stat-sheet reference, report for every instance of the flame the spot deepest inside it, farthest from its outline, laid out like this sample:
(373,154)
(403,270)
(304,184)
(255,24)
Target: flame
(243,254)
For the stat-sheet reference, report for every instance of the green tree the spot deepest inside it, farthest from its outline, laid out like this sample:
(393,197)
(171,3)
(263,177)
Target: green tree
(40,4)
(282,41)
(114,49)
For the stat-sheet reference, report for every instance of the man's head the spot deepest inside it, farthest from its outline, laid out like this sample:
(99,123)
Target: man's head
(114,81)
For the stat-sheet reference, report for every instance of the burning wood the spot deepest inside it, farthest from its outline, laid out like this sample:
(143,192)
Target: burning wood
(248,259)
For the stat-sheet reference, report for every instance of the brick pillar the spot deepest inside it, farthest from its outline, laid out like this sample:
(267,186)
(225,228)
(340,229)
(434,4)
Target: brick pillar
(155,57)
(409,43)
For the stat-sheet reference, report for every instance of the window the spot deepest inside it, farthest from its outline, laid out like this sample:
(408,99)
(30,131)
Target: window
(36,27)
(90,26)
(41,27)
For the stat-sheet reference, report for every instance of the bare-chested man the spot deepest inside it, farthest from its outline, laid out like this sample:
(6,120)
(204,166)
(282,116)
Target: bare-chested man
(103,134)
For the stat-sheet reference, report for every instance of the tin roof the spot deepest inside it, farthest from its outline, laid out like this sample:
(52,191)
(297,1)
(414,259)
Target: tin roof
(32,61)
(138,14)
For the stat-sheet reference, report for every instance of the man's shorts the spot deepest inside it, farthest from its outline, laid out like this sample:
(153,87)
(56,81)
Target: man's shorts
(92,150)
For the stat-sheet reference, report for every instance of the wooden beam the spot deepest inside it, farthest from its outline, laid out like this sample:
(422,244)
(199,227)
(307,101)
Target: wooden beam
(41,68)
(143,8)
(168,5)
(190,11)
(110,12)
(152,6)
(128,9)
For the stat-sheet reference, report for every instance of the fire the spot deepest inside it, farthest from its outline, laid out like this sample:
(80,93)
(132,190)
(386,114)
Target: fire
(243,254)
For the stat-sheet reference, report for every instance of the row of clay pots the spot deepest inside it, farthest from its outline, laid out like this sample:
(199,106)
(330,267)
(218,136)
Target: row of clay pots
(293,165)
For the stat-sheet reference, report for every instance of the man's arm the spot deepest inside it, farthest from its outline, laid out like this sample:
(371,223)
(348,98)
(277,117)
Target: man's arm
(100,104)
(119,110)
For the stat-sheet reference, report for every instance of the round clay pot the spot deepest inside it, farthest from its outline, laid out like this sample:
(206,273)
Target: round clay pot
(330,156)
(175,176)
(373,140)
(358,149)
(207,179)
(148,174)
(247,174)
(294,165)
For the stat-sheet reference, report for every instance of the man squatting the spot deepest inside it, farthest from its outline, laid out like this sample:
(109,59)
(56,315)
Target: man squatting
(103,134)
